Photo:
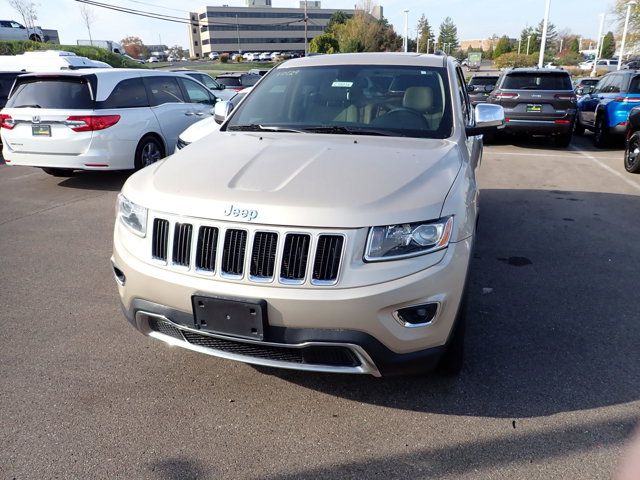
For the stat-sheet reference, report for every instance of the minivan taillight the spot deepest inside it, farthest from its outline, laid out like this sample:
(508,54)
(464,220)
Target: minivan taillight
(6,121)
(506,96)
(89,123)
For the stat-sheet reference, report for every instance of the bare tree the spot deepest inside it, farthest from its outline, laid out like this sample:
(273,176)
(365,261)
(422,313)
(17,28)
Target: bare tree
(88,17)
(27,10)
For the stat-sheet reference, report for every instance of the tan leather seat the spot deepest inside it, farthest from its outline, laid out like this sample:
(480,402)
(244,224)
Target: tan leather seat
(420,99)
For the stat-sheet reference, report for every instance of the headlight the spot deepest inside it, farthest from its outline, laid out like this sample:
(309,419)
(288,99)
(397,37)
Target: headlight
(407,239)
(132,215)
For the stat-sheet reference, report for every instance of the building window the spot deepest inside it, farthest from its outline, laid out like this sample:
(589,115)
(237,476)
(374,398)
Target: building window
(195,43)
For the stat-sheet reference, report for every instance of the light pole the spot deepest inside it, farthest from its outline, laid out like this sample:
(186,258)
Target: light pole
(595,60)
(306,41)
(428,41)
(630,4)
(519,44)
(238,33)
(561,43)
(528,42)
(406,31)
(545,26)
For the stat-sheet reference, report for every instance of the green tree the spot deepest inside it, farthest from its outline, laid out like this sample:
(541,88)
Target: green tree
(448,34)
(574,45)
(338,18)
(425,35)
(633,35)
(503,46)
(363,33)
(608,46)
(325,43)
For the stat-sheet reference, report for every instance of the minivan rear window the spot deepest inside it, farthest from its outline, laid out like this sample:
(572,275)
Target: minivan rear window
(483,81)
(537,81)
(58,92)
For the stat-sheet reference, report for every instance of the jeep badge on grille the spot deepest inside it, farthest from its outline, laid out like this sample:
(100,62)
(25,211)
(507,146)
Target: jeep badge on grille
(243,213)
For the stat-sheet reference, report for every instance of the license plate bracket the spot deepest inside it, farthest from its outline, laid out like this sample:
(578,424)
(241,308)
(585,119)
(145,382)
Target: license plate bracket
(534,108)
(230,316)
(41,130)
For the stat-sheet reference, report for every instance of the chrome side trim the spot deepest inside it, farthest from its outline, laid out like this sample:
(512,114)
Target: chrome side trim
(366,363)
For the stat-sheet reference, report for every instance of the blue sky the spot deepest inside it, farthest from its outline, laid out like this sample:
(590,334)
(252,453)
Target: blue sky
(474,18)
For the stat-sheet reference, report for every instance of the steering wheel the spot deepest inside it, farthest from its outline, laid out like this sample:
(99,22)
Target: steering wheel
(402,118)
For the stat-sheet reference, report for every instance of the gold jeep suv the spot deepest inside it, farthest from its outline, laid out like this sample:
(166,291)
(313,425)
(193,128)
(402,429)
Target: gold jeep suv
(327,226)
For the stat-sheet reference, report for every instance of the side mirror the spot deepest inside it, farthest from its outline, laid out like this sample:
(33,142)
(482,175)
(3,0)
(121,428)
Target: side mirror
(222,86)
(489,88)
(471,88)
(221,111)
(488,117)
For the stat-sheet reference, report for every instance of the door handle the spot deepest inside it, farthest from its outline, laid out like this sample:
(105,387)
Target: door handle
(199,114)
(189,114)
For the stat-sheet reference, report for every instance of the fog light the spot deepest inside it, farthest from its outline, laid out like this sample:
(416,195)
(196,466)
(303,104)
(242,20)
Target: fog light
(417,315)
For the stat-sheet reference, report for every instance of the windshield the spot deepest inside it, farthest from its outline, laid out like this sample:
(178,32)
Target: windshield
(351,99)
(68,93)
(537,81)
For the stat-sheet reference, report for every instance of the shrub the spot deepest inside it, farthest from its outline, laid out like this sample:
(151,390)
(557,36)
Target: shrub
(570,59)
(514,60)
(94,53)
(224,58)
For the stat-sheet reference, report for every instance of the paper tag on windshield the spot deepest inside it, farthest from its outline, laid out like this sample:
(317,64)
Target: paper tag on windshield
(342,84)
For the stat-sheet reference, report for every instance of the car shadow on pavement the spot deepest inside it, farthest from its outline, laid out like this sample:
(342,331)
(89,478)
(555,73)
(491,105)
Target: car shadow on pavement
(108,181)
(553,315)
(178,469)
(474,456)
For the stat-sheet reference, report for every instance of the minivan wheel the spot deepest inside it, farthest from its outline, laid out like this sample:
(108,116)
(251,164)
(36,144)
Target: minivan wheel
(452,361)
(59,172)
(601,134)
(632,154)
(149,151)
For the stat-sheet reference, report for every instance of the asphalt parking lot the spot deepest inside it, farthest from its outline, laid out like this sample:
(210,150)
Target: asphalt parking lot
(551,386)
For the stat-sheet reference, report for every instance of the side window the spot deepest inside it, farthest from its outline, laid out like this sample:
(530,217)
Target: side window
(4,24)
(616,84)
(195,93)
(208,82)
(464,97)
(127,94)
(163,90)
(602,84)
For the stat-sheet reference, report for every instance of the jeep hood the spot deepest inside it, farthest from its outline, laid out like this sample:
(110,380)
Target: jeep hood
(313,180)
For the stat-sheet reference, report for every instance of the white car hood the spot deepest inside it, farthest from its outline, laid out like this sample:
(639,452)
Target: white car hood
(295,179)
(200,129)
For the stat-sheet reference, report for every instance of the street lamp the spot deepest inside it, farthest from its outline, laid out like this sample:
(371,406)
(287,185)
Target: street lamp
(595,60)
(406,31)
(528,42)
(630,4)
(545,26)
(428,41)
(519,44)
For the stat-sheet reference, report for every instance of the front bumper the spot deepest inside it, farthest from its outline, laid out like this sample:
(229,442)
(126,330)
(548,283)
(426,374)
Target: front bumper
(360,322)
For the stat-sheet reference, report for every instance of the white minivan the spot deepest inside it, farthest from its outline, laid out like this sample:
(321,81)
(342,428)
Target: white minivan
(99,119)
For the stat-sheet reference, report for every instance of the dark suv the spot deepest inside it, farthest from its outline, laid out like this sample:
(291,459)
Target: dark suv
(238,81)
(537,102)
(480,86)
(632,150)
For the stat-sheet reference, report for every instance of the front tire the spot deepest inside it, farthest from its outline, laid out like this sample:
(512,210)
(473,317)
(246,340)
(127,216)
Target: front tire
(59,172)
(148,152)
(601,133)
(632,154)
(35,38)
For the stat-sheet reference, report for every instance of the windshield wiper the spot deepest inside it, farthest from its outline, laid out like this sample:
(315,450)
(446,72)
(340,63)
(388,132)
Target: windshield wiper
(341,130)
(253,127)
(35,105)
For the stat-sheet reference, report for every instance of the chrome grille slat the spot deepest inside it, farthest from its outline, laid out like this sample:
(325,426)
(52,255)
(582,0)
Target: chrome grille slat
(207,249)
(263,255)
(160,239)
(182,244)
(327,259)
(294,258)
(235,243)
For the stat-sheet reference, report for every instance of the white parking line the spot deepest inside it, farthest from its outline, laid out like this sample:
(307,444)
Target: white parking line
(606,167)
(517,154)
